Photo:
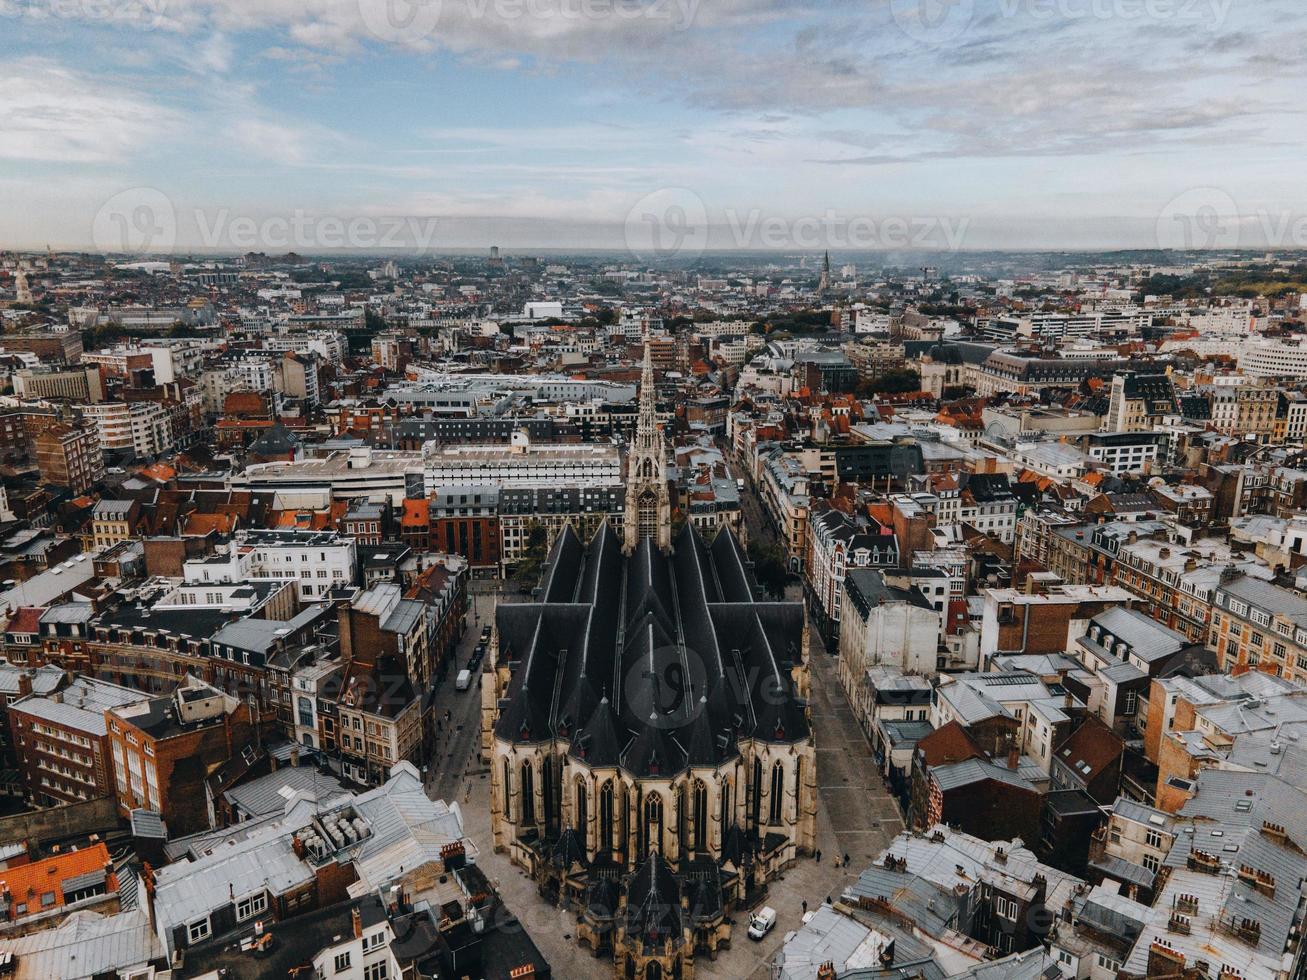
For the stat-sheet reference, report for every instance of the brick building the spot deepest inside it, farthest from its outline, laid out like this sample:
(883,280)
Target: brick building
(164,748)
(69,456)
(60,741)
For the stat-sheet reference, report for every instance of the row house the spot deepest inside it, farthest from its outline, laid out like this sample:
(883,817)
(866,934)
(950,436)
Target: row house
(837,543)
(1175,583)
(1256,625)
(784,485)
(60,741)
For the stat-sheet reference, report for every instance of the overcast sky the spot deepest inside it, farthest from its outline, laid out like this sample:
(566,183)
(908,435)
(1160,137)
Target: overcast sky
(181,124)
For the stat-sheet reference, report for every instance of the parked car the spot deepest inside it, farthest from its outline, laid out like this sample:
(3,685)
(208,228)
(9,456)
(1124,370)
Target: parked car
(762,923)
(485,634)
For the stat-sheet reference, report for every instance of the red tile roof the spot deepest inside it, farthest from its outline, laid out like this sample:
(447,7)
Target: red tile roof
(28,882)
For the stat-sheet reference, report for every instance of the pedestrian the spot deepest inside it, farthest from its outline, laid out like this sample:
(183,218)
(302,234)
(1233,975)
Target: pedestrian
(805,906)
(846,860)
(819,855)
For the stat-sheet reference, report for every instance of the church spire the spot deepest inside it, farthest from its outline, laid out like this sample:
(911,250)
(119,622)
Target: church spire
(648,504)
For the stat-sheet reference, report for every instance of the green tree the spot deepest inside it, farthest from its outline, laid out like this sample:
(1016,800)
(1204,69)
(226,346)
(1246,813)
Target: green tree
(528,569)
(896,381)
(769,566)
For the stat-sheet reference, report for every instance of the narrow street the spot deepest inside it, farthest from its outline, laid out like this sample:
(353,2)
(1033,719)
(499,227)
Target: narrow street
(455,763)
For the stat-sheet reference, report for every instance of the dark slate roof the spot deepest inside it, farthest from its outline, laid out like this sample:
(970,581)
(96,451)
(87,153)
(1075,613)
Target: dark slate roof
(653,901)
(655,662)
(275,441)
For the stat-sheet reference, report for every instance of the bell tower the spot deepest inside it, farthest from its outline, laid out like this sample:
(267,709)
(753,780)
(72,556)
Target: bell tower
(648,504)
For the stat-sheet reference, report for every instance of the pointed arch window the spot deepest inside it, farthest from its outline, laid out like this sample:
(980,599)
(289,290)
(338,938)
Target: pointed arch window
(755,804)
(700,815)
(527,785)
(777,792)
(653,823)
(606,817)
(582,808)
(508,788)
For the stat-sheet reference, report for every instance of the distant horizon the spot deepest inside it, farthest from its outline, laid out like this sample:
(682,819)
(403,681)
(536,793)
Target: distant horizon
(506,252)
(659,126)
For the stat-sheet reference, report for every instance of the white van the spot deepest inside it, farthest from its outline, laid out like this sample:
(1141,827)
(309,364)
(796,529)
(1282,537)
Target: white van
(463,681)
(762,923)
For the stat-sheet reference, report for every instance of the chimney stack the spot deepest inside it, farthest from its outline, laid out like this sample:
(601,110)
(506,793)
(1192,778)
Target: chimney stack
(357,921)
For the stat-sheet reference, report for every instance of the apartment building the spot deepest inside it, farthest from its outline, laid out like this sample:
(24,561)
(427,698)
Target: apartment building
(1046,620)
(522,464)
(113,521)
(1257,625)
(784,484)
(1176,583)
(1139,402)
(69,456)
(318,560)
(887,623)
(60,741)
(837,543)
(74,384)
(164,748)
(1244,410)
(140,428)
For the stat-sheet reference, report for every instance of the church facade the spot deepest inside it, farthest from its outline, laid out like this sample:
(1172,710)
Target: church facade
(647,722)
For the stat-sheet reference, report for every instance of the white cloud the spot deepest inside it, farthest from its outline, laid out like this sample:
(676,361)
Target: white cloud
(51,113)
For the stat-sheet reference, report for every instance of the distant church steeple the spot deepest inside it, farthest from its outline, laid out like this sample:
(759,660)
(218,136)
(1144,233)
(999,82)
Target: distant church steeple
(648,504)
(823,285)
